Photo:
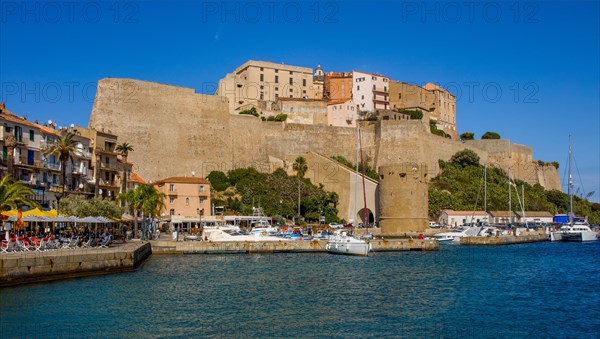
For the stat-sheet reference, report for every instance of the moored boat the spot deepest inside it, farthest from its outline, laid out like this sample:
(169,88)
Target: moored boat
(343,243)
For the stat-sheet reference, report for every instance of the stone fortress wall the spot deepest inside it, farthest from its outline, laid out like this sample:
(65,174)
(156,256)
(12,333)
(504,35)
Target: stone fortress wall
(176,132)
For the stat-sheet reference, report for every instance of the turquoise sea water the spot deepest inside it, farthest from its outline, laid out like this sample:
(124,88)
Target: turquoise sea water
(521,291)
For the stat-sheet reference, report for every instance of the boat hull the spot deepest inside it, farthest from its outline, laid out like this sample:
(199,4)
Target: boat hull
(348,246)
(579,236)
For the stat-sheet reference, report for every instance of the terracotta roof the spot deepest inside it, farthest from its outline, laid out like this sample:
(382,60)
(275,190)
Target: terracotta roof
(185,180)
(501,214)
(337,102)
(451,212)
(375,74)
(17,120)
(136,178)
(301,99)
(534,214)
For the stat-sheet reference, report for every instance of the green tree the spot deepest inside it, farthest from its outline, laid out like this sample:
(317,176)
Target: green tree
(251,111)
(490,135)
(143,199)
(465,158)
(300,166)
(124,149)
(15,194)
(467,136)
(218,180)
(81,207)
(64,149)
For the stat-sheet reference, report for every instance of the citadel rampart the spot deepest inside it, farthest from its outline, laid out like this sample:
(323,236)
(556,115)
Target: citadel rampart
(176,132)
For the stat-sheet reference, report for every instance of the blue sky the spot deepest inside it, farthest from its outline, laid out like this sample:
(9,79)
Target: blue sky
(527,70)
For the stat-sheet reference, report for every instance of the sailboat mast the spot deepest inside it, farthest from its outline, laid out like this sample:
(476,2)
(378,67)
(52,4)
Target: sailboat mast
(365,214)
(355,224)
(509,199)
(570,189)
(485,187)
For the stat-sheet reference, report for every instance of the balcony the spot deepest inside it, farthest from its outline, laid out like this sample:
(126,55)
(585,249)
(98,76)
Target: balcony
(109,167)
(108,183)
(172,192)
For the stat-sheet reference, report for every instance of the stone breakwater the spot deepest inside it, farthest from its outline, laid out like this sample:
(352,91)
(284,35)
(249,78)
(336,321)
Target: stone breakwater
(200,247)
(32,267)
(504,239)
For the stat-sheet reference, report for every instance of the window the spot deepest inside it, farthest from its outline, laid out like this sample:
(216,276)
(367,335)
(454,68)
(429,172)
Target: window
(277,79)
(291,81)
(373,87)
(262,69)
(304,92)
(201,188)
(334,108)
(373,78)
(171,187)
(172,211)
(385,88)
(291,90)
(187,201)
(30,135)
(304,82)
(262,87)
(291,109)
(363,97)
(19,133)
(171,200)
(276,71)
(276,88)
(262,96)
(358,88)
(201,200)
(262,77)
(291,72)
(276,96)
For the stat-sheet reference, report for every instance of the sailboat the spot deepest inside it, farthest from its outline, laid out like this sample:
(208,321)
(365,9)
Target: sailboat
(575,230)
(341,242)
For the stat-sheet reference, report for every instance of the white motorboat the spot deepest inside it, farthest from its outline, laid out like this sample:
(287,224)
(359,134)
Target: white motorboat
(217,235)
(342,243)
(465,231)
(579,231)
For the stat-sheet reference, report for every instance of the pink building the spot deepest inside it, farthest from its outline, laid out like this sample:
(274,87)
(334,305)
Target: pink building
(185,196)
(342,113)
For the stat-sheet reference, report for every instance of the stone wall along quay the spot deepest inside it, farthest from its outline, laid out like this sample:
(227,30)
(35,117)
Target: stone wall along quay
(503,240)
(31,267)
(200,247)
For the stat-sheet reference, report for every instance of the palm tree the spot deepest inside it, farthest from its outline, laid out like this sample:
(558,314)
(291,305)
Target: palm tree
(64,149)
(10,142)
(14,194)
(124,150)
(146,199)
(300,166)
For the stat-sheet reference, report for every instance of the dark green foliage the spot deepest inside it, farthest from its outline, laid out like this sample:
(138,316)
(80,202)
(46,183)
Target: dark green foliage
(369,171)
(277,194)
(251,111)
(465,158)
(414,114)
(278,117)
(490,135)
(461,181)
(218,180)
(434,130)
(467,136)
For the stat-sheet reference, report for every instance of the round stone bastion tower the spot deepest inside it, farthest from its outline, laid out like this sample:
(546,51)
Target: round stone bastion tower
(403,199)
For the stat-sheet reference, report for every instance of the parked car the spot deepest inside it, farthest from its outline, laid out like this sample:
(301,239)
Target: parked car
(335,225)
(433,224)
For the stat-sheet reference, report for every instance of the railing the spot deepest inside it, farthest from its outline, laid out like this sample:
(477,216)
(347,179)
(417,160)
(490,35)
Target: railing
(113,183)
(108,167)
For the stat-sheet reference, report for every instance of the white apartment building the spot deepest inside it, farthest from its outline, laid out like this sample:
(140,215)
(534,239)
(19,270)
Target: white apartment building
(370,91)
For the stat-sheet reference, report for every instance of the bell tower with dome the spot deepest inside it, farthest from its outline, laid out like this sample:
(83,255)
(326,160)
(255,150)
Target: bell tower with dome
(318,82)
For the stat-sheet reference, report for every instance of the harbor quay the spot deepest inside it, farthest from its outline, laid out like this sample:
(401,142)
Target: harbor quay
(504,239)
(32,267)
(306,246)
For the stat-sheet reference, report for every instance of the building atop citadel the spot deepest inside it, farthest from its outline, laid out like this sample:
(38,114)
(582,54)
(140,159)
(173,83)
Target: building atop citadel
(305,96)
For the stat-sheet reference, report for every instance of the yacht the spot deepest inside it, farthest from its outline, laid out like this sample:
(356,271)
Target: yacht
(343,243)
(464,231)
(578,231)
